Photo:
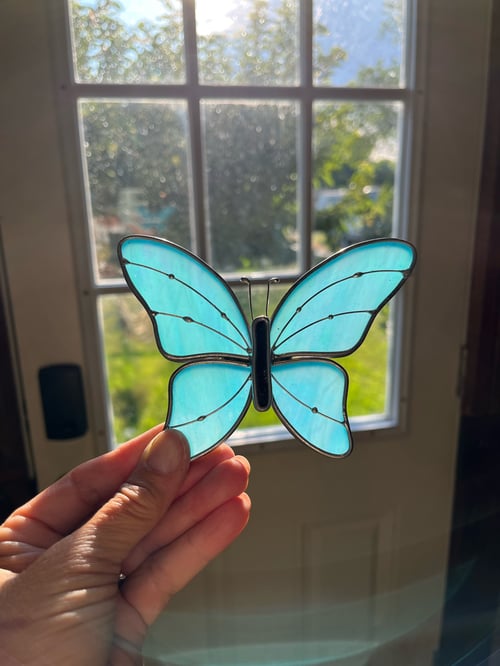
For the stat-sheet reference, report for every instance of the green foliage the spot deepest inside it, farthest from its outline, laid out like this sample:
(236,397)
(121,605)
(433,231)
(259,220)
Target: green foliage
(110,51)
(102,42)
(137,374)
(367,369)
(136,147)
(251,178)
(251,151)
(346,139)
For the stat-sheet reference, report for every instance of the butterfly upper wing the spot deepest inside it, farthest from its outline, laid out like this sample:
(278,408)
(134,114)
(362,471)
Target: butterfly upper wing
(330,309)
(207,402)
(309,396)
(194,312)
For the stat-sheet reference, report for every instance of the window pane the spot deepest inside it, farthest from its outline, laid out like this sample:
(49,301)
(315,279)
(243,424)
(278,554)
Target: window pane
(356,150)
(137,373)
(131,41)
(247,42)
(358,43)
(136,172)
(251,174)
(370,371)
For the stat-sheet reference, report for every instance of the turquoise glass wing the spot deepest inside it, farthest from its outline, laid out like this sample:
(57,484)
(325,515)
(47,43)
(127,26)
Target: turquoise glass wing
(207,402)
(330,309)
(193,310)
(309,396)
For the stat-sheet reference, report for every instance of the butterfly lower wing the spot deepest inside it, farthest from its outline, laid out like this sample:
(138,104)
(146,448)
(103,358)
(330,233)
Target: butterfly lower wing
(207,401)
(193,310)
(330,309)
(309,396)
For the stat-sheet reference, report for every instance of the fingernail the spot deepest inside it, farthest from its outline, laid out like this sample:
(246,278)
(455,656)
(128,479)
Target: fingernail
(166,452)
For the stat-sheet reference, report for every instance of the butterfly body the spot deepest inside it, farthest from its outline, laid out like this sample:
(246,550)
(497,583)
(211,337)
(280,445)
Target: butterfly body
(261,364)
(283,361)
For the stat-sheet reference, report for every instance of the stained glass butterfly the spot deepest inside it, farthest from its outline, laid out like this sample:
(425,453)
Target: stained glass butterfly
(283,361)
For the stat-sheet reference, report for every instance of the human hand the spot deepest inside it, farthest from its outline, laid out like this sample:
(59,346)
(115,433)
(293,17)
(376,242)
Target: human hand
(143,511)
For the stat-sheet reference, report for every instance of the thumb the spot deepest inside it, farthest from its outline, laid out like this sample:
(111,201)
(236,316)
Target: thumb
(141,501)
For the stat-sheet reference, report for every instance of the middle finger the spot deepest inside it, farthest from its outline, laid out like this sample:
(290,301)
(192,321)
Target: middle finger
(227,479)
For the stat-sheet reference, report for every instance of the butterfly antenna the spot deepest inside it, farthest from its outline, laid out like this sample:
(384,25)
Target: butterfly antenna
(269,282)
(249,284)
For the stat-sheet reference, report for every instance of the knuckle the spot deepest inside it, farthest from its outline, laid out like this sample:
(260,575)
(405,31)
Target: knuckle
(139,500)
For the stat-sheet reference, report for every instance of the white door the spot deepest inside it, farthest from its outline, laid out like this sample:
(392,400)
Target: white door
(343,561)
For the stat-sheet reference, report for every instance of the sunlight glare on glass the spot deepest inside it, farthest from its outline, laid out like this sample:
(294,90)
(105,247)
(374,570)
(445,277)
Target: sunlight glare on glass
(214,17)
(251,42)
(136,10)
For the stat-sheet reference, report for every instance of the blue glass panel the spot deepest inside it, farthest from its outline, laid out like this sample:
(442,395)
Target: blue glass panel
(330,309)
(193,310)
(309,397)
(207,402)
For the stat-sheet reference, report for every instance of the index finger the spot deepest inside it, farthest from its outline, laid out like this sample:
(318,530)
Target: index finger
(66,504)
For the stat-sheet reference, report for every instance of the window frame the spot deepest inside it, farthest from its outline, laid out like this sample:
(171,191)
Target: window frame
(305,93)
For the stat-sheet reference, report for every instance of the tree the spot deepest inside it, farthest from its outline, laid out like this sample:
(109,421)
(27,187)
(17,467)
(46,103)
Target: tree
(102,42)
(251,199)
(347,137)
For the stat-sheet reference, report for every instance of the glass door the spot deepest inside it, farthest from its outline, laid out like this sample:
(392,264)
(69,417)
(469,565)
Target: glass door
(344,561)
